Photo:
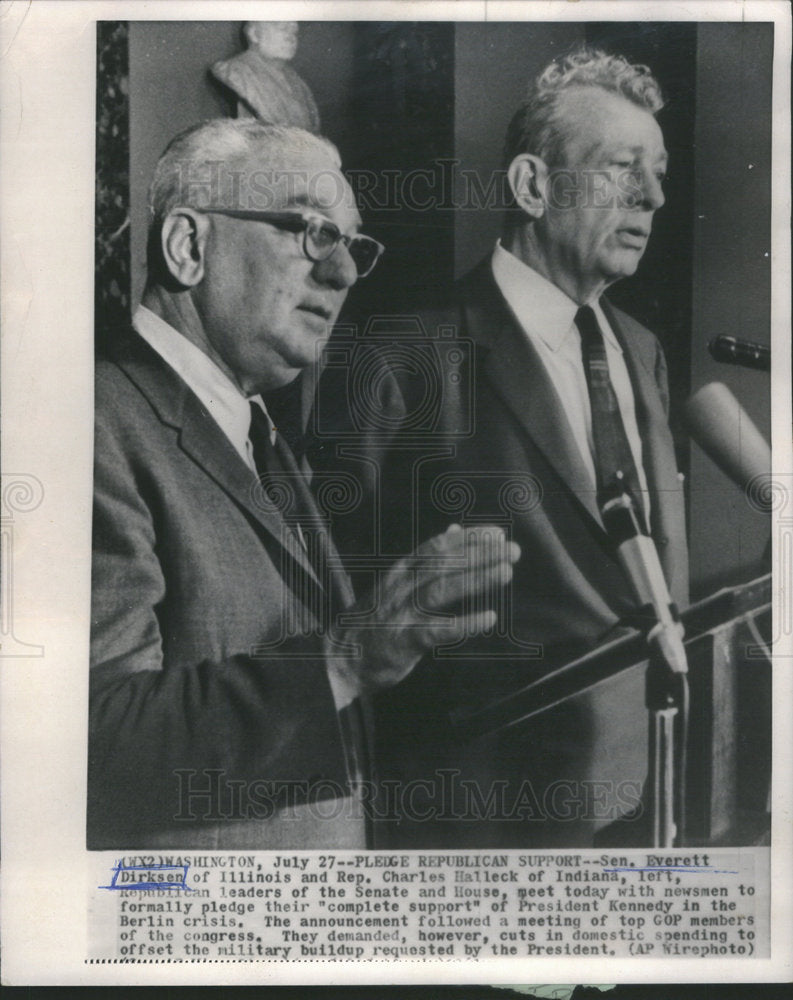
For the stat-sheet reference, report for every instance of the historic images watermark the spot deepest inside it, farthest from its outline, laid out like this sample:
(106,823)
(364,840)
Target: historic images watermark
(210,795)
(444,185)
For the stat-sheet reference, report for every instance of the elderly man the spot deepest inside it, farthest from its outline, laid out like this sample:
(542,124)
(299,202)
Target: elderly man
(226,699)
(566,398)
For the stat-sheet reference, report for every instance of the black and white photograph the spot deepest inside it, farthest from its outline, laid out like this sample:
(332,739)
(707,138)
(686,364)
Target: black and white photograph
(422,566)
(355,521)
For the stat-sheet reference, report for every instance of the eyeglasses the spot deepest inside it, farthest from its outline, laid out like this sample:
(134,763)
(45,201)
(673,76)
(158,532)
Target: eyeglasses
(320,237)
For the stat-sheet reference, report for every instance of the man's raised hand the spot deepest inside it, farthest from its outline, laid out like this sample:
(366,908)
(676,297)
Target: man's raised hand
(439,594)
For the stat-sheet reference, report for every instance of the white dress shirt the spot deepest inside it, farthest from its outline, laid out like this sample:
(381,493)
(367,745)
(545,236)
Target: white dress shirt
(221,398)
(547,317)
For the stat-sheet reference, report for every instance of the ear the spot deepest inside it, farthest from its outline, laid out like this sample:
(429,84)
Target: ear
(527,176)
(183,240)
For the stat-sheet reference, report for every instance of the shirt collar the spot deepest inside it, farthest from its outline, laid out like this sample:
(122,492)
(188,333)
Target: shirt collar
(542,309)
(219,395)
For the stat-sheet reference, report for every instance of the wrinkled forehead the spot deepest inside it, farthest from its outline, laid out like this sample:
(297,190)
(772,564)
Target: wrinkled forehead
(268,181)
(591,119)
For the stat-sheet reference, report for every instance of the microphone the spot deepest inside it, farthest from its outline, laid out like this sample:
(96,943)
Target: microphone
(639,560)
(666,681)
(745,353)
(724,431)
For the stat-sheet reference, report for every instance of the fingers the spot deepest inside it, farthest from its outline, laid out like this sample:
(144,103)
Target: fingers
(448,630)
(447,590)
(388,657)
(457,539)
(464,585)
(449,565)
(461,563)
(483,544)
(468,569)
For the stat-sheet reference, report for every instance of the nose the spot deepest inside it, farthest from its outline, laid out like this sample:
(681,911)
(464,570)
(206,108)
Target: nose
(338,271)
(652,195)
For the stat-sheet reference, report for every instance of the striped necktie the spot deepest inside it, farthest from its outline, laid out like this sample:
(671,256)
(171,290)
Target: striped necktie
(615,468)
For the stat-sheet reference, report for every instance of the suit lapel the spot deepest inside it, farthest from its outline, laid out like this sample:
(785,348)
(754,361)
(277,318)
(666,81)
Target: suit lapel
(657,448)
(517,374)
(667,504)
(202,439)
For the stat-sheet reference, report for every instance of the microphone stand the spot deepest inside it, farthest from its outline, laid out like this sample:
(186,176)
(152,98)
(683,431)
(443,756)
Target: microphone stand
(666,698)
(666,684)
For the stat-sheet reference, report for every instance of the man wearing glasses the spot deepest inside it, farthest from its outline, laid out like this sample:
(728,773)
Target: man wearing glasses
(227,696)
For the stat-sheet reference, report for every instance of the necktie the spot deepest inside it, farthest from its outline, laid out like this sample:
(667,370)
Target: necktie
(264,456)
(275,459)
(615,468)
(284,406)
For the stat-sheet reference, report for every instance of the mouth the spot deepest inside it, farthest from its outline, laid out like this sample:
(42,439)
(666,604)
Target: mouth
(320,311)
(633,236)
(636,231)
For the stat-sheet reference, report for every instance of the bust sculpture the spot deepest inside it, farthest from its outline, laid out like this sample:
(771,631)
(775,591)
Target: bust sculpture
(265,84)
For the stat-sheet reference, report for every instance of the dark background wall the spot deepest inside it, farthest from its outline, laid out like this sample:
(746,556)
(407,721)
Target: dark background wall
(731,274)
(402,111)
(410,97)
(493,66)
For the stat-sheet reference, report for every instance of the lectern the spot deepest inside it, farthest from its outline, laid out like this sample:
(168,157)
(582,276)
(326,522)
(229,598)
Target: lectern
(728,766)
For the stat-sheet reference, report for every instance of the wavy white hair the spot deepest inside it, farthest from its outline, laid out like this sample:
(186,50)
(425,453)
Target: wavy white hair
(537,126)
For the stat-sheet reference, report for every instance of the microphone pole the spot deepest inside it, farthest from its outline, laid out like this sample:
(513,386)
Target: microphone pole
(666,684)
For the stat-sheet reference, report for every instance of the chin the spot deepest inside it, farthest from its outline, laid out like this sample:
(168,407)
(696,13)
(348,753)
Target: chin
(623,268)
(306,354)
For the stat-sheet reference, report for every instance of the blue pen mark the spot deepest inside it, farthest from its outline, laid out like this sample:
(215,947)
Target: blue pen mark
(671,868)
(134,877)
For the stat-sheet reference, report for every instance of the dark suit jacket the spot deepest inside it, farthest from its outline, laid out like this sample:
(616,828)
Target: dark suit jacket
(205,655)
(511,460)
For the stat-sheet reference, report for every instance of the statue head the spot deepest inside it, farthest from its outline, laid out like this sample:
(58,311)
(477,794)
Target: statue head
(272,39)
